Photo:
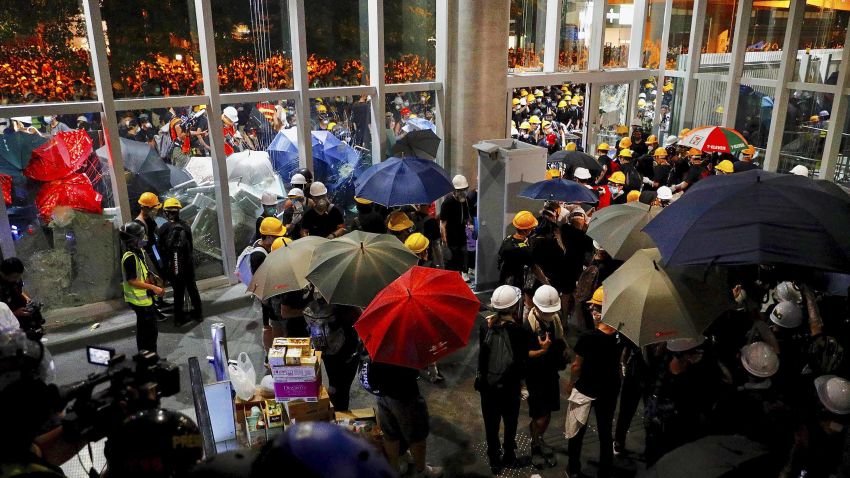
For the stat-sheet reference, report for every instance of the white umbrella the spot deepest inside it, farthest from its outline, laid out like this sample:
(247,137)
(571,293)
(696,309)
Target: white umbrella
(253,169)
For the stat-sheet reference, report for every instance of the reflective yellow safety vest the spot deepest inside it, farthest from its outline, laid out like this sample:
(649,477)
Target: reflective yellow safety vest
(135,295)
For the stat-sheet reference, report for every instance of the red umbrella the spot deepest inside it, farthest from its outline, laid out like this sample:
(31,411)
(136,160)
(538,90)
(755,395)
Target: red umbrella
(423,315)
(75,191)
(65,153)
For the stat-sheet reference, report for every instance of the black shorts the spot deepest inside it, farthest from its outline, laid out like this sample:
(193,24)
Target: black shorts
(403,419)
(544,395)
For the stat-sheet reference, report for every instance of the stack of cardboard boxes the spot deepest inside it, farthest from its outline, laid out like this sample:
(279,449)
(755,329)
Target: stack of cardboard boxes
(297,372)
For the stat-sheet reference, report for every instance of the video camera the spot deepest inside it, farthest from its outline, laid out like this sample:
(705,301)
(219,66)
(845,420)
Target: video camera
(33,324)
(96,412)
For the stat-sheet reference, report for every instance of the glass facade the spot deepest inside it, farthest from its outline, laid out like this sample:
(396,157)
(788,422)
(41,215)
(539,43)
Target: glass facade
(804,134)
(527,34)
(821,44)
(613,105)
(708,109)
(410,40)
(337,42)
(652,32)
(549,116)
(619,17)
(753,118)
(679,35)
(764,41)
(717,36)
(576,24)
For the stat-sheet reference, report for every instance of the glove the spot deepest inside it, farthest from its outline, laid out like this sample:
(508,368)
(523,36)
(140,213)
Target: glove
(646,180)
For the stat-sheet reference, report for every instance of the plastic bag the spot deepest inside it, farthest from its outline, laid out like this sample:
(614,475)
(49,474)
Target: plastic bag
(243,377)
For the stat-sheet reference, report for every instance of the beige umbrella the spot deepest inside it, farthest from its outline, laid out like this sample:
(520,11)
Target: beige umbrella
(617,228)
(649,304)
(285,270)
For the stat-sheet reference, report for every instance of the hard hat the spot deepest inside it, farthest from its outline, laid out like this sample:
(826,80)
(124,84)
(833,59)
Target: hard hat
(582,173)
(132,230)
(515,101)
(823,113)
(538,93)
(505,297)
(834,393)
(319,100)
(652,139)
(149,199)
(621,129)
(684,132)
(641,103)
(725,166)
(684,344)
(633,196)
(694,152)
(523,92)
(617,178)
(562,104)
(321,108)
(398,221)
(670,140)
(800,170)
(525,125)
(570,146)
(660,153)
(318,189)
(625,143)
(280,242)
(553,173)
(749,150)
(417,242)
(363,201)
(271,226)
(270,199)
(603,147)
(787,291)
(625,153)
(759,359)
(460,182)
(414,115)
(546,123)
(787,315)
(598,296)
(575,100)
(814,118)
(231,114)
(719,109)
(664,193)
(513,123)
(172,203)
(667,88)
(650,86)
(534,119)
(295,193)
(565,87)
(299,179)
(524,220)
(642,95)
(331,126)
(547,299)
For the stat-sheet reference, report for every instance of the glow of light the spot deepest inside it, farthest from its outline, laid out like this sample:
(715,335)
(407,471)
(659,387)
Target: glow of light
(178,57)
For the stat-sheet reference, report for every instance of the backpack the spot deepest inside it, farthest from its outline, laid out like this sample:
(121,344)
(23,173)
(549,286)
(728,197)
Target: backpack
(177,245)
(586,284)
(243,263)
(323,336)
(501,356)
(164,145)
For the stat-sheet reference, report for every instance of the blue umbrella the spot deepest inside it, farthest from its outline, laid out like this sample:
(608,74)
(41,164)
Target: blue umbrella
(283,152)
(559,190)
(403,181)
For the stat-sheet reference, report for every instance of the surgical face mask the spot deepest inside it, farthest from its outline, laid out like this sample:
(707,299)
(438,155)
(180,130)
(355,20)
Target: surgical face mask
(153,212)
(48,119)
(615,190)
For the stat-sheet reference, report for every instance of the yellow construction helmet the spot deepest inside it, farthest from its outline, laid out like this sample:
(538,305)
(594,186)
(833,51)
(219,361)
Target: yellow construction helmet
(398,221)
(562,104)
(363,201)
(553,173)
(684,132)
(515,101)
(525,125)
(530,98)
(538,94)
(617,178)
(694,152)
(749,150)
(534,119)
(575,101)
(667,88)
(641,103)
(271,226)
(322,109)
(172,203)
(725,166)
(524,220)
(814,118)
(523,92)
(625,153)
(280,242)
(417,242)
(331,126)
(660,153)
(570,147)
(622,129)
(633,195)
(652,139)
(149,199)
(625,143)
(598,297)
(603,147)
(546,123)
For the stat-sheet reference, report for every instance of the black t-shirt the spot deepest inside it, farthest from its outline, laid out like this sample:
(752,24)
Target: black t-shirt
(394,381)
(646,165)
(694,174)
(514,255)
(639,149)
(11,293)
(549,363)
(427,226)
(457,216)
(257,258)
(150,231)
(678,172)
(322,225)
(600,369)
(578,244)
(129,265)
(741,166)
(661,174)
(550,258)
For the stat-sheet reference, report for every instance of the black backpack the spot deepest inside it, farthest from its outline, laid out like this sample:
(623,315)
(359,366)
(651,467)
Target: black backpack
(501,356)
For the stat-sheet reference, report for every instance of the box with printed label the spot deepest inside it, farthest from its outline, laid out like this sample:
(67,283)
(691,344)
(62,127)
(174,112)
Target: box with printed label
(307,391)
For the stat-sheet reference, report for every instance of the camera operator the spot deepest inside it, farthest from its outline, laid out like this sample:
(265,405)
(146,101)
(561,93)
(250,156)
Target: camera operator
(12,294)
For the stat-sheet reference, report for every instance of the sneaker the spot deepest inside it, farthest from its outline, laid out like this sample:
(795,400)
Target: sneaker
(430,472)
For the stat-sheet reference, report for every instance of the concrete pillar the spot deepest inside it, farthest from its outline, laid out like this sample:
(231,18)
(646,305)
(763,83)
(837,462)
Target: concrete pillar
(477,80)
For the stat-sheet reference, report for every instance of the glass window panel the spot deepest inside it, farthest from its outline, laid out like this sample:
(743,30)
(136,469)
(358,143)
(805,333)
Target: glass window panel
(619,16)
(680,34)
(764,41)
(45,53)
(576,23)
(410,30)
(613,104)
(407,112)
(671,107)
(645,104)
(651,57)
(153,48)
(805,129)
(69,246)
(527,33)
(755,107)
(708,108)
(555,109)
(252,45)
(717,36)
(821,43)
(842,168)
(337,42)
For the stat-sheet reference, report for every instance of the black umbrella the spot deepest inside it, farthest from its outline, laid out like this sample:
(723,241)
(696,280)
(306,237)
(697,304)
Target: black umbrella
(576,159)
(148,170)
(716,456)
(418,144)
(177,175)
(756,217)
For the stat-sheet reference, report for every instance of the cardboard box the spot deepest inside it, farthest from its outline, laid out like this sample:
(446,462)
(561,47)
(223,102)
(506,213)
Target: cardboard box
(307,391)
(357,414)
(304,411)
(308,370)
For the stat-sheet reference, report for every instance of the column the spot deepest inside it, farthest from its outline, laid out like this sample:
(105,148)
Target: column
(689,92)
(736,68)
(298,36)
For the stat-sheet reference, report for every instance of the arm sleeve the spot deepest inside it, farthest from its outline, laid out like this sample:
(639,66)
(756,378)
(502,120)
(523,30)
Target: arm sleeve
(130,268)
(257,259)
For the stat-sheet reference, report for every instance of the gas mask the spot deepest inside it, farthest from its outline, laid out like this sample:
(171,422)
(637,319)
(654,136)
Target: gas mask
(322,205)
(269,210)
(460,195)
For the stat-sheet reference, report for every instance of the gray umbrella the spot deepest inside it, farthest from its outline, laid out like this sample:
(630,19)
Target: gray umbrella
(418,144)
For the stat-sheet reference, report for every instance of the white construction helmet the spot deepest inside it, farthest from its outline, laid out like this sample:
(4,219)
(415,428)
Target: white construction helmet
(787,315)
(547,299)
(582,173)
(505,297)
(317,189)
(685,344)
(670,140)
(231,114)
(759,359)
(800,170)
(460,182)
(664,193)
(834,393)
(787,291)
(296,193)
(298,178)
(270,199)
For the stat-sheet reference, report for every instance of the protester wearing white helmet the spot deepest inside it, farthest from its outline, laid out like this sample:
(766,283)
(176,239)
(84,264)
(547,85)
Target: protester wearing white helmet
(800,170)
(455,218)
(298,179)
(670,140)
(684,344)
(759,359)
(834,393)
(582,176)
(664,195)
(787,315)
(787,291)
(323,219)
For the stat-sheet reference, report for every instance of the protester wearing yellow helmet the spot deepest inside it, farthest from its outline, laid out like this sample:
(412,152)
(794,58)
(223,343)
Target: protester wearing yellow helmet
(399,225)
(280,242)
(625,143)
(150,207)
(683,133)
(523,92)
(724,167)
(525,125)
(621,129)
(418,244)
(696,172)
(745,163)
(270,229)
(515,101)
(534,119)
(575,101)
(562,104)
(175,247)
(570,146)
(321,108)
(553,174)
(515,254)
(614,191)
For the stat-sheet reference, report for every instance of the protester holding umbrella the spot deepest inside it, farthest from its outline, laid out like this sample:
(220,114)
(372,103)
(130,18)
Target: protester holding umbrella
(369,218)
(455,216)
(175,243)
(502,358)
(324,219)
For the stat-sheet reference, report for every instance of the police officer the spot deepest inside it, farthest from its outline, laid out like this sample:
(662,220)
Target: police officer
(175,244)
(138,289)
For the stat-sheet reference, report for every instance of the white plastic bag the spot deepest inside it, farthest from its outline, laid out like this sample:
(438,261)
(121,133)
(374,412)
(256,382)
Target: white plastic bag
(243,377)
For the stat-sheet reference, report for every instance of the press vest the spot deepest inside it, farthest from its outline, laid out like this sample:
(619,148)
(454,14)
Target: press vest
(135,295)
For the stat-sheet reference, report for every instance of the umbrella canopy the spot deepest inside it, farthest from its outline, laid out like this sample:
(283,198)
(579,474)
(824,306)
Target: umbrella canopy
(285,270)
(149,171)
(419,124)
(716,456)
(352,269)
(714,139)
(177,175)
(756,217)
(254,170)
(333,161)
(403,181)
(74,191)
(650,304)
(283,152)
(16,150)
(576,159)
(618,228)
(63,154)
(420,317)
(421,143)
(559,190)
